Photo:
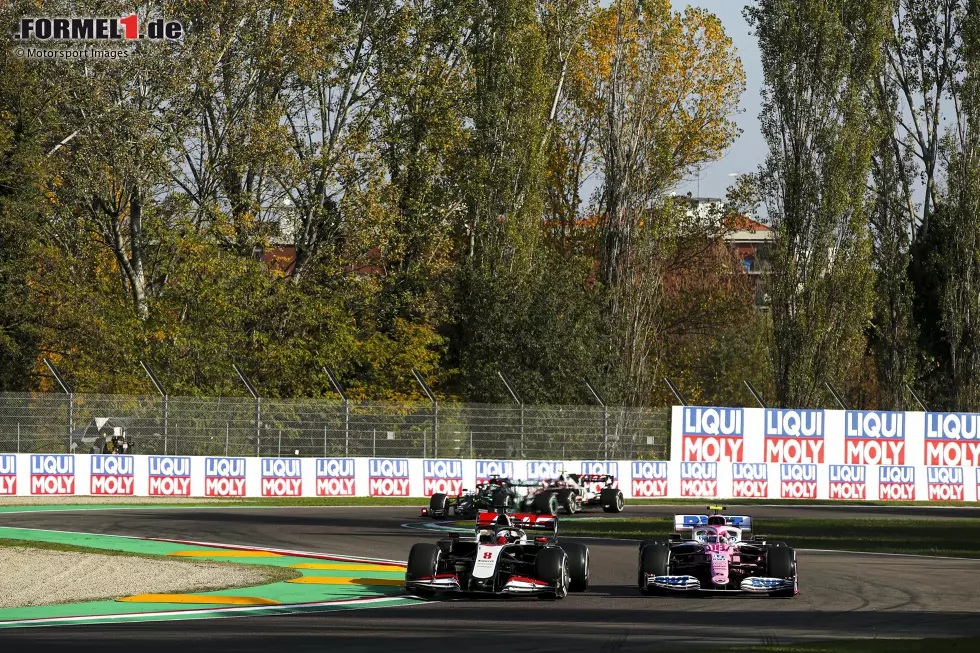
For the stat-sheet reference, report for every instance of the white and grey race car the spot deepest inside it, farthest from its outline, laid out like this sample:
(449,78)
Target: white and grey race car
(501,558)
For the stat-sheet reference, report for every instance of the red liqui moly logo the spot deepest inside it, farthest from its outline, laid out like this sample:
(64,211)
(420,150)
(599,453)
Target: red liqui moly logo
(224,477)
(945,483)
(649,478)
(953,439)
(170,476)
(487,469)
(699,479)
(750,480)
(8,474)
(797,481)
(873,437)
(794,436)
(112,475)
(712,434)
(335,477)
(52,473)
(847,482)
(445,476)
(896,483)
(388,477)
(282,477)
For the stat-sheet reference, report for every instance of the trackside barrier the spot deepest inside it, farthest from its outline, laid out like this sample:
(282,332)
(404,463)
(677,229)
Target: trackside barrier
(824,454)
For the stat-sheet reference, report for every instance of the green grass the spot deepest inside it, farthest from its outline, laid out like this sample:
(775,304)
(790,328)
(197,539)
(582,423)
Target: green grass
(963,645)
(935,537)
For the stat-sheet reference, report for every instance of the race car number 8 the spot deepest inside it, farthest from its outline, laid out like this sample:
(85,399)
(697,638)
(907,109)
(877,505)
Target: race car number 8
(487,555)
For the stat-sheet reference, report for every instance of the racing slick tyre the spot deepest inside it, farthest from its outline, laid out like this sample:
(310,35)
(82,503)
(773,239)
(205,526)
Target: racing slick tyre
(611,500)
(781,563)
(551,566)
(545,503)
(655,560)
(566,500)
(439,505)
(578,566)
(501,500)
(423,561)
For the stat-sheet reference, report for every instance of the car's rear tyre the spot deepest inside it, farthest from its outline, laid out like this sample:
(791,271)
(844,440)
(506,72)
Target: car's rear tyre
(439,503)
(612,500)
(551,566)
(654,560)
(423,562)
(781,563)
(545,503)
(578,566)
(501,501)
(566,501)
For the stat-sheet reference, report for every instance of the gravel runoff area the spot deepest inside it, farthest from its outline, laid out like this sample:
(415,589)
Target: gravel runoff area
(33,577)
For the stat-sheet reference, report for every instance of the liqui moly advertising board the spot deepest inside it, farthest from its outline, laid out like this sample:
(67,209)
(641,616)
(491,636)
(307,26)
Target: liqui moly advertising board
(600,468)
(699,479)
(848,482)
(648,479)
(712,434)
(945,483)
(52,473)
(750,480)
(8,474)
(112,475)
(388,477)
(797,481)
(794,436)
(170,476)
(896,483)
(282,477)
(335,477)
(874,437)
(544,470)
(487,469)
(224,477)
(952,439)
(445,476)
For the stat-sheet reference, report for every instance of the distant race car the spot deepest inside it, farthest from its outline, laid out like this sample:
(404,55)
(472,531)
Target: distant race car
(500,558)
(494,492)
(717,557)
(576,492)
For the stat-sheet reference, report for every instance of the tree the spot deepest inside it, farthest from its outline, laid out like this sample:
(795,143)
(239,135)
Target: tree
(665,86)
(819,59)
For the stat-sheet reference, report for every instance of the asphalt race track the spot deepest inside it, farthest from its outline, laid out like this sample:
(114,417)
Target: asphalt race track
(842,595)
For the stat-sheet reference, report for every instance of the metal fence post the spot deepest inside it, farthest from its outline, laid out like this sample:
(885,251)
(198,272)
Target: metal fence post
(520,403)
(339,389)
(279,451)
(163,393)
(18,437)
(324,440)
(226,439)
(71,399)
(435,412)
(605,418)
(258,408)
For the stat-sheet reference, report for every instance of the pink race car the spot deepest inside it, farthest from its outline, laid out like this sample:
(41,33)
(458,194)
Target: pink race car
(717,557)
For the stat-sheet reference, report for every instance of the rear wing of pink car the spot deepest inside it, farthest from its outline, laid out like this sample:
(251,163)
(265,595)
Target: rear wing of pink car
(687,523)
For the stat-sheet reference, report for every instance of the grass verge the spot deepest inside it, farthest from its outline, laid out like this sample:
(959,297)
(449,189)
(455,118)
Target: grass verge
(933,537)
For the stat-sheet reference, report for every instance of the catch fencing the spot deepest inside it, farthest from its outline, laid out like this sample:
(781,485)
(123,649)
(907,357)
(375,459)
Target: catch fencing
(239,426)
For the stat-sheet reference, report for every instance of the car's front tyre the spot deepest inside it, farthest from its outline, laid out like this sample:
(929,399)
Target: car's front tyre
(551,566)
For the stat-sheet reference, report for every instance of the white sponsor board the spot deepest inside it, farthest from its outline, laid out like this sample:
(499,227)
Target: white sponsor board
(718,453)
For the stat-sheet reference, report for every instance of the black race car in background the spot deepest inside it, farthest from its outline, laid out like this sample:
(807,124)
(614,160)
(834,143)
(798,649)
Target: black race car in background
(576,492)
(495,494)
(500,558)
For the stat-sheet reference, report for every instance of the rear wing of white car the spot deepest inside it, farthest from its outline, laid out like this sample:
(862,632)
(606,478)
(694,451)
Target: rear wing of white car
(687,523)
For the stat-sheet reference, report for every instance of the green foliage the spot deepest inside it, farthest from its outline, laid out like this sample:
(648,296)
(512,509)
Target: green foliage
(819,60)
